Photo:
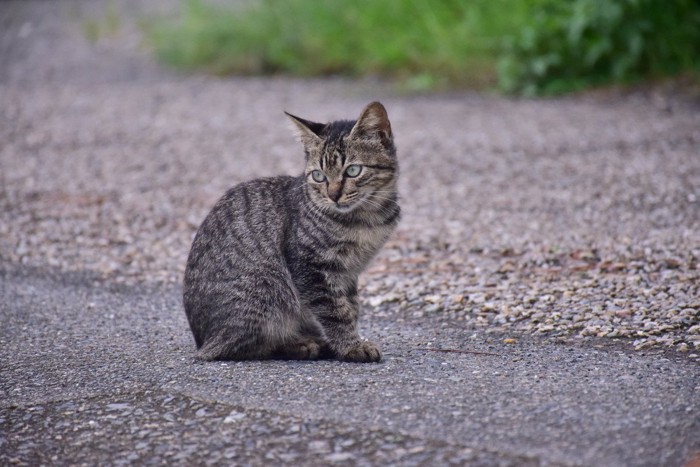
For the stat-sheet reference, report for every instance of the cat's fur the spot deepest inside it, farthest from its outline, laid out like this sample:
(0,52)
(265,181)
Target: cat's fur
(273,268)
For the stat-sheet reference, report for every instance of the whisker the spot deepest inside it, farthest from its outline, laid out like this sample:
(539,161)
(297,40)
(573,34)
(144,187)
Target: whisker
(312,211)
(384,198)
(383,209)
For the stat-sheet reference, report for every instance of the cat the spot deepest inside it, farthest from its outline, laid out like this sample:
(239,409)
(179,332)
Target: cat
(273,268)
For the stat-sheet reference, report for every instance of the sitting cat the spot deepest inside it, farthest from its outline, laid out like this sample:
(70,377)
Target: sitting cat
(273,268)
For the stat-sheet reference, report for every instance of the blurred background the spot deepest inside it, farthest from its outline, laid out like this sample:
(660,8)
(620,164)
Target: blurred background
(528,47)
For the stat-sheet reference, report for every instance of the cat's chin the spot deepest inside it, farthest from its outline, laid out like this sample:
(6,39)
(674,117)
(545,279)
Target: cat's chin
(345,207)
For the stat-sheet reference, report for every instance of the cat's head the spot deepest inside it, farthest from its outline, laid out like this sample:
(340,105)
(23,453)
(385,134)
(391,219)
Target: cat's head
(350,164)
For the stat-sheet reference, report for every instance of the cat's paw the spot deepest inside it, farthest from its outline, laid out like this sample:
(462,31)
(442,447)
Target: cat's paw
(305,348)
(364,352)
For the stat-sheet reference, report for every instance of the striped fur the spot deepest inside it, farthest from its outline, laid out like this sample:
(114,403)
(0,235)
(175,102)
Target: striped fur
(273,268)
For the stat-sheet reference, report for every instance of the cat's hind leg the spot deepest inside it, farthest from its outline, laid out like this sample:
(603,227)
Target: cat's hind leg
(302,348)
(253,317)
(308,344)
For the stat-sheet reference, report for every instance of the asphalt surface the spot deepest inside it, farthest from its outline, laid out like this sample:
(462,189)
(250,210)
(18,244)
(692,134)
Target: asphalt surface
(96,359)
(97,374)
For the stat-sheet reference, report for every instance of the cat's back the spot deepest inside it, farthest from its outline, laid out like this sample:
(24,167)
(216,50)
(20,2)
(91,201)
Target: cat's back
(246,225)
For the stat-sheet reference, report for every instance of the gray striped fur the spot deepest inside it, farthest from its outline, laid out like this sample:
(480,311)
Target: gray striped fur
(273,269)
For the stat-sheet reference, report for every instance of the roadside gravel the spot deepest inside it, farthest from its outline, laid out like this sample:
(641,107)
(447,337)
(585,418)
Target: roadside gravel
(568,218)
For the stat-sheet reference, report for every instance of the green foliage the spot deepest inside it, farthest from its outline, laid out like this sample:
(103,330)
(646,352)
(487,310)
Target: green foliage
(528,46)
(424,44)
(572,45)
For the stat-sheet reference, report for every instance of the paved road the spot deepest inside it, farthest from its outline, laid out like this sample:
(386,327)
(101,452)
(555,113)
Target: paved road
(105,374)
(109,162)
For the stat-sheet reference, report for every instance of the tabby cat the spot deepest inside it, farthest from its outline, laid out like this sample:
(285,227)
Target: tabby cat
(273,268)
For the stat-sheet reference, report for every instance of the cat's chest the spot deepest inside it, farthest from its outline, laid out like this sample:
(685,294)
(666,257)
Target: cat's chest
(355,247)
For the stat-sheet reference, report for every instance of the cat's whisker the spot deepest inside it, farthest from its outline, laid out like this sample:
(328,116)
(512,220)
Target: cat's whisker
(383,198)
(380,207)
(375,195)
(314,211)
(392,194)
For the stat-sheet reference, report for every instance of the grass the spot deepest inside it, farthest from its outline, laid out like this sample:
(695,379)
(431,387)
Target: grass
(422,44)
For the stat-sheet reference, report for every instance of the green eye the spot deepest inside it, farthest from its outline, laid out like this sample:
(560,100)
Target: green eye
(318,176)
(353,170)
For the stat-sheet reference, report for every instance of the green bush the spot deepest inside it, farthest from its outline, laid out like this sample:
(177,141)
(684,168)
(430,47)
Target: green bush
(572,45)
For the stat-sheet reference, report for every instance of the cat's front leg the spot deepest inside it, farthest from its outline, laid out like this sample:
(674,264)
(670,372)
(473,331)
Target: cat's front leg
(339,321)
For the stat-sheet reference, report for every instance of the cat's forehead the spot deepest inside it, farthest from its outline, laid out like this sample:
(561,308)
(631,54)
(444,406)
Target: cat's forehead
(337,147)
(326,149)
(335,132)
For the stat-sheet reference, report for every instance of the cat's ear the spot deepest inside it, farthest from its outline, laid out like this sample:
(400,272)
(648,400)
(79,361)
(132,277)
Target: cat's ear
(373,122)
(308,131)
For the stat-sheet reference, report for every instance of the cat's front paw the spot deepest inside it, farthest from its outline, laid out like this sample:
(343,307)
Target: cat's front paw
(364,352)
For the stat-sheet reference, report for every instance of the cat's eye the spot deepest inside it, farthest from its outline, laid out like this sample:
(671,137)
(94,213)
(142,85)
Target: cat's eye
(353,170)
(318,176)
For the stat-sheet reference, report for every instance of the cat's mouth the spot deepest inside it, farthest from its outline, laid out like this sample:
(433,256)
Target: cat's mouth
(345,206)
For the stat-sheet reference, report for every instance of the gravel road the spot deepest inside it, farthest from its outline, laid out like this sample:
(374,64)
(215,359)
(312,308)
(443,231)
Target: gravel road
(534,229)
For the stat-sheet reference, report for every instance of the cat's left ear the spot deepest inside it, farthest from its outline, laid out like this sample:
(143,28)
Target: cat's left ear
(373,122)
(309,132)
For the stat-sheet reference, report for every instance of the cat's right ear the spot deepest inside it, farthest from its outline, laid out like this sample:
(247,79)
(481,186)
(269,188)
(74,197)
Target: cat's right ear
(309,132)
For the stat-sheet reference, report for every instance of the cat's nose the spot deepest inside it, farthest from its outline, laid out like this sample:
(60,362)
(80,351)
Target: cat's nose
(334,195)
(334,192)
